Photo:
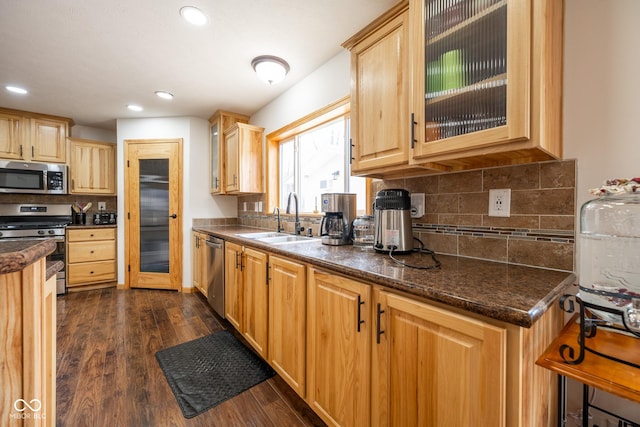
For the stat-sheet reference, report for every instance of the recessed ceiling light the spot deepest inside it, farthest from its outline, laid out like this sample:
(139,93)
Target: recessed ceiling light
(134,107)
(193,15)
(16,89)
(163,94)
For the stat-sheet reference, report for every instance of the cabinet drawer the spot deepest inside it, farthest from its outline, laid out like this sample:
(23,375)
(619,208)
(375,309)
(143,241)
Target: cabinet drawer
(91,234)
(89,272)
(101,250)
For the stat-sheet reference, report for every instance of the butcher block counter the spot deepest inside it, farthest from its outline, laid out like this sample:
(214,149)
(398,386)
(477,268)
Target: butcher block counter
(28,333)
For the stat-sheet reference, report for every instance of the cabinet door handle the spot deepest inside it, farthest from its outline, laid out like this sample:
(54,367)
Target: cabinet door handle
(360,303)
(216,183)
(73,184)
(20,150)
(379,332)
(33,152)
(237,263)
(350,150)
(268,275)
(413,129)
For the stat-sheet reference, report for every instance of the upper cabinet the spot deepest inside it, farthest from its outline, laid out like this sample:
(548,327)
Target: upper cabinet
(485,86)
(243,159)
(380,87)
(92,167)
(33,137)
(218,123)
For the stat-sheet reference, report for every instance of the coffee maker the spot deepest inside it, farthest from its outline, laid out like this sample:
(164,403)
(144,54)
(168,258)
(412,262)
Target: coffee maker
(339,212)
(392,221)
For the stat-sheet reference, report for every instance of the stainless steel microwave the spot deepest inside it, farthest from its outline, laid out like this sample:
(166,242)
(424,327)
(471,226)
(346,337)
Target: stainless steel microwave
(33,178)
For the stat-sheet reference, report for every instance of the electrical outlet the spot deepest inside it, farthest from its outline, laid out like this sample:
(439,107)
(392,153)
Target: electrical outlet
(102,206)
(500,202)
(417,205)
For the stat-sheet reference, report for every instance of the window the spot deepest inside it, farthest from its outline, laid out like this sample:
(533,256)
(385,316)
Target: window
(313,158)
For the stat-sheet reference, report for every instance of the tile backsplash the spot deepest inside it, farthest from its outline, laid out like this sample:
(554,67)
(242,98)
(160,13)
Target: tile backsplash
(110,201)
(540,231)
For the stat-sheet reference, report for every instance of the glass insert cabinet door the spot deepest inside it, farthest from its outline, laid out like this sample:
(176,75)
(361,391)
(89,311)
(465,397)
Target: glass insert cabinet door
(215,185)
(471,89)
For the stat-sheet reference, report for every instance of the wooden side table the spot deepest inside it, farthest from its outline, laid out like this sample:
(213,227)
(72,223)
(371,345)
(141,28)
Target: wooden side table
(595,370)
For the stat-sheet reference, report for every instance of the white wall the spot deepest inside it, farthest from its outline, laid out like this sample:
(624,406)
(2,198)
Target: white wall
(325,85)
(197,202)
(96,134)
(601,113)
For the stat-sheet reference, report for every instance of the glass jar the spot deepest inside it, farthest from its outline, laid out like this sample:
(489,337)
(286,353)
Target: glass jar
(363,232)
(610,255)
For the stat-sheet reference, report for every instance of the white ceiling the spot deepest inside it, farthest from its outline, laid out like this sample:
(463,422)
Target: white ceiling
(87,59)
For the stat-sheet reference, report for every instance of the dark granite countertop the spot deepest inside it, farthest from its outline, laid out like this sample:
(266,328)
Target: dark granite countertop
(53,267)
(511,293)
(15,255)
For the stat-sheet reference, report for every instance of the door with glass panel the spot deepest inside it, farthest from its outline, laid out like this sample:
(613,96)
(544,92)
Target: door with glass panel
(153,191)
(472,84)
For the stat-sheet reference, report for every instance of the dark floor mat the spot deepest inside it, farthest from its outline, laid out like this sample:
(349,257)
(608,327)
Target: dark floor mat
(207,371)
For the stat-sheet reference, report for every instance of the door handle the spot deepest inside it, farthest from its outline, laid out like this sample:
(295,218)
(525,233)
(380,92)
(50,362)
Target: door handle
(379,331)
(213,244)
(174,216)
(360,304)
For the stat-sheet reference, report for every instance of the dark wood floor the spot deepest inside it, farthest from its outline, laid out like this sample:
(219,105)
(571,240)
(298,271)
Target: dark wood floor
(107,373)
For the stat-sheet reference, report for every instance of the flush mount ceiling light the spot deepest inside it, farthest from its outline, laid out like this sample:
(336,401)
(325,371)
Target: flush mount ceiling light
(134,107)
(164,94)
(270,69)
(193,15)
(16,89)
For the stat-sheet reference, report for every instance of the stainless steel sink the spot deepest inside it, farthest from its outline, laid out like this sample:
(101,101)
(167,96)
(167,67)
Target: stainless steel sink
(261,235)
(276,238)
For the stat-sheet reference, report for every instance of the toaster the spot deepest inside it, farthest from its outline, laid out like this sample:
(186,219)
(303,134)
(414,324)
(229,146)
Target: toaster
(104,218)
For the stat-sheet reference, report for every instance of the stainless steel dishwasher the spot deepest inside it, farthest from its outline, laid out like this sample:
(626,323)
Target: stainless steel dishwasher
(215,274)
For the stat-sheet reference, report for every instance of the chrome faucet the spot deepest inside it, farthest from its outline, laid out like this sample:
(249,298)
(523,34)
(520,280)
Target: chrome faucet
(276,211)
(297,228)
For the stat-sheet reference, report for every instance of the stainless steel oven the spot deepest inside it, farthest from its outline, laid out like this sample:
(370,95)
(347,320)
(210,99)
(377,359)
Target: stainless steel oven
(38,222)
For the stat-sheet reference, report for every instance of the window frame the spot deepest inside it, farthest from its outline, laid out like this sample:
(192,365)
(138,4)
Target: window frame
(341,107)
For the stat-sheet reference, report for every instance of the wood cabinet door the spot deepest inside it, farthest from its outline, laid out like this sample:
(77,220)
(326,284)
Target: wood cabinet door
(256,300)
(338,352)
(12,136)
(287,321)
(196,254)
(233,284)
(432,367)
(92,167)
(49,140)
(231,153)
(380,97)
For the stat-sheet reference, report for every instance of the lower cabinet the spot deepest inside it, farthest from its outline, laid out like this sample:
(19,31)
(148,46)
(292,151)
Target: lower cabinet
(433,367)
(233,284)
(199,259)
(91,258)
(363,354)
(256,301)
(338,349)
(28,340)
(287,321)
(246,294)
